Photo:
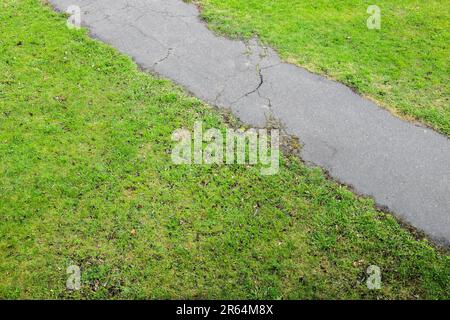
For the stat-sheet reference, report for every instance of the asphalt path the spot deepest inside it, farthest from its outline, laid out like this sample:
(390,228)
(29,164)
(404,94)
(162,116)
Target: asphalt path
(403,166)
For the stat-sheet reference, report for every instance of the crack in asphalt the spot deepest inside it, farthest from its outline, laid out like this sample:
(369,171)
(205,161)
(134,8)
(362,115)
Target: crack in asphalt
(261,82)
(169,52)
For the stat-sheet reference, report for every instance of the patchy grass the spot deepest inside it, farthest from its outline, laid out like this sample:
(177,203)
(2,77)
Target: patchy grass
(86,179)
(404,66)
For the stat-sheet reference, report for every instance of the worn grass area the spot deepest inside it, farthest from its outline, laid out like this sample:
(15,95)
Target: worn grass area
(86,179)
(404,66)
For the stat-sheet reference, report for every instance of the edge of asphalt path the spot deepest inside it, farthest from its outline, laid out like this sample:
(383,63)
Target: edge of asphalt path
(403,166)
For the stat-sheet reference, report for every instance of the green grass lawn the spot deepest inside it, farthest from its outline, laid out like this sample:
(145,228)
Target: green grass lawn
(404,66)
(86,179)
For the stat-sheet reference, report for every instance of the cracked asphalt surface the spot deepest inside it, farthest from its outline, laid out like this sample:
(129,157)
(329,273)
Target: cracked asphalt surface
(403,166)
